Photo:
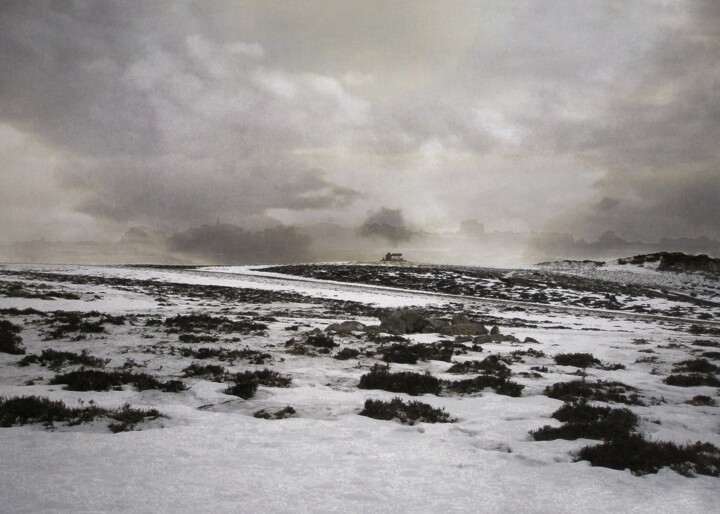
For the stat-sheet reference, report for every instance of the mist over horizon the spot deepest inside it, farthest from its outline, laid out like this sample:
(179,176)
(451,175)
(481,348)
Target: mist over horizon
(475,133)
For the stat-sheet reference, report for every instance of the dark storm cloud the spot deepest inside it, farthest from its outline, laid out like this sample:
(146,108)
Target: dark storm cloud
(388,224)
(229,244)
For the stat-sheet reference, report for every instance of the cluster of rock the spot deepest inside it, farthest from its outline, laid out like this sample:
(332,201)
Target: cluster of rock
(409,321)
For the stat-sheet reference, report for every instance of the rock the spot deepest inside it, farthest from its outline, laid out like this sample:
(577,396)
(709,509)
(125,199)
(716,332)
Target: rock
(433,325)
(484,338)
(531,340)
(460,319)
(463,329)
(393,326)
(494,330)
(346,327)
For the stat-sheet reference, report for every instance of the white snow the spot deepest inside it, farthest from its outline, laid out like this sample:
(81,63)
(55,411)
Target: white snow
(212,455)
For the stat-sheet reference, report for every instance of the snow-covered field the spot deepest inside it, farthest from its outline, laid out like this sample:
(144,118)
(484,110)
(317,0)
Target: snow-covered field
(209,453)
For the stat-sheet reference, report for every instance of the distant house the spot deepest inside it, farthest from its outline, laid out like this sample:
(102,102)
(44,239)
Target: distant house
(389,257)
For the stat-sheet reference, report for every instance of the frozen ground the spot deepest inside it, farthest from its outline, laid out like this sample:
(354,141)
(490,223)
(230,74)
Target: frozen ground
(210,453)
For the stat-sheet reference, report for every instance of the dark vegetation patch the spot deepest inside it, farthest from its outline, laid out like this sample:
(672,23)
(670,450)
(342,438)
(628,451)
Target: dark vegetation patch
(34,409)
(517,355)
(224,354)
(582,420)
(286,412)
(702,400)
(643,457)
(704,330)
(213,372)
(407,413)
(102,380)
(495,365)
(500,385)
(695,366)
(198,338)
(347,353)
(14,311)
(55,359)
(320,340)
(404,353)
(41,291)
(711,355)
(706,343)
(407,382)
(692,380)
(10,341)
(245,384)
(578,360)
(75,325)
(601,390)
(204,322)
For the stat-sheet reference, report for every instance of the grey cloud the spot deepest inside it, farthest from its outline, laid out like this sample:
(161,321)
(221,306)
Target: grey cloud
(388,224)
(229,244)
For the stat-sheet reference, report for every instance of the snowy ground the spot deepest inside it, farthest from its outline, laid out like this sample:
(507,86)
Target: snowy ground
(211,454)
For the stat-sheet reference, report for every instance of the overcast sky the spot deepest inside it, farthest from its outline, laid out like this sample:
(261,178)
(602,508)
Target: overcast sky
(579,116)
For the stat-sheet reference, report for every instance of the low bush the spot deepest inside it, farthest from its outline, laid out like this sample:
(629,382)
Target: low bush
(407,382)
(223,354)
(494,365)
(10,341)
(407,413)
(54,359)
(347,353)
(695,366)
(578,360)
(287,412)
(702,400)
(34,409)
(711,355)
(692,380)
(582,420)
(213,372)
(99,380)
(500,385)
(643,457)
(602,391)
(706,343)
(320,340)
(195,338)
(205,322)
(245,384)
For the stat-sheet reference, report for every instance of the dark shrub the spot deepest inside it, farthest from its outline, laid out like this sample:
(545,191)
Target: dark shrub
(76,324)
(711,355)
(205,322)
(126,418)
(347,353)
(245,384)
(320,340)
(34,409)
(643,457)
(9,338)
(407,382)
(195,338)
(582,420)
(287,412)
(494,365)
(222,354)
(702,400)
(98,380)
(692,380)
(213,372)
(706,343)
(695,366)
(500,385)
(603,391)
(400,354)
(55,359)
(578,360)
(407,413)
